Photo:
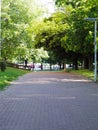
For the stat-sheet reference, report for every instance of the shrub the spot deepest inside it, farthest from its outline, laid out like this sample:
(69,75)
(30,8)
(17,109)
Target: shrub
(2,65)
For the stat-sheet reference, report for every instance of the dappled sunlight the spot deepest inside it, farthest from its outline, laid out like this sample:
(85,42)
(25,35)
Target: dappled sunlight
(66,98)
(94,94)
(32,82)
(38,95)
(75,80)
(49,80)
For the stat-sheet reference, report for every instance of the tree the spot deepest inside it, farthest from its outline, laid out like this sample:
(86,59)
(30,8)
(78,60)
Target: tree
(50,33)
(81,32)
(16,19)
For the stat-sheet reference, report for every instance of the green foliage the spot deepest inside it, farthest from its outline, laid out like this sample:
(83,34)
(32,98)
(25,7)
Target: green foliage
(38,55)
(51,33)
(16,19)
(66,33)
(21,53)
(87,73)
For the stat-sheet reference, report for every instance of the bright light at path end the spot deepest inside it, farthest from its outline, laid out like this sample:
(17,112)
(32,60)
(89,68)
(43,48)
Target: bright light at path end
(49,4)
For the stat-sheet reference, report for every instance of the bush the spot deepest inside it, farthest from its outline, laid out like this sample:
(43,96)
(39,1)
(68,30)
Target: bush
(2,65)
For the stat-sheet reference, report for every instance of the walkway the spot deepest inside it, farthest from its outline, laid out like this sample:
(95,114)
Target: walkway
(49,101)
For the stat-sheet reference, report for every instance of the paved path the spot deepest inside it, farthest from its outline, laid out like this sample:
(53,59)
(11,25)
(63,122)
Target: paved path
(49,101)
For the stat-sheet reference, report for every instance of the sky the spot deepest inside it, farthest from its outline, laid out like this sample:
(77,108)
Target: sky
(49,4)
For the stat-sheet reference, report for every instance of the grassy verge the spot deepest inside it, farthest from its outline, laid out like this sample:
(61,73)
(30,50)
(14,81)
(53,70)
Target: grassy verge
(84,72)
(9,75)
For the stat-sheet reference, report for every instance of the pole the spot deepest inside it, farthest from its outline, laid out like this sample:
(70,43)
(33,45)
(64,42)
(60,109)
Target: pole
(95,46)
(95,52)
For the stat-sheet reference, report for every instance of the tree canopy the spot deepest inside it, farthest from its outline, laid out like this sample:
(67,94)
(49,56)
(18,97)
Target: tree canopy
(65,34)
(16,18)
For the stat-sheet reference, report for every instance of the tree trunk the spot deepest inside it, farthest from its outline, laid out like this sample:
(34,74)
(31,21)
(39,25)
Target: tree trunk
(50,66)
(41,66)
(91,62)
(86,63)
(63,66)
(75,64)
(60,65)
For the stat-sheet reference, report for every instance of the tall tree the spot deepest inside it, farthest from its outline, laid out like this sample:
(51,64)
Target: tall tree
(50,32)
(66,30)
(16,18)
(82,32)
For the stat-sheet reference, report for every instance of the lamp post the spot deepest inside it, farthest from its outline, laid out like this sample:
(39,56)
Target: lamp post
(95,45)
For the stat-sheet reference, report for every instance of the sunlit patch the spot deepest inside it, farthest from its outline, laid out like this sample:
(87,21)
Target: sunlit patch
(49,81)
(66,98)
(32,82)
(95,94)
(38,95)
(75,80)
(15,98)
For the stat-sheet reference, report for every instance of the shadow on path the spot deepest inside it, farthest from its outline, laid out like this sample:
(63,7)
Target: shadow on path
(49,101)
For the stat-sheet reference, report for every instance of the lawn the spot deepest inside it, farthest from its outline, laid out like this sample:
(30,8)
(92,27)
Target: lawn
(10,74)
(85,72)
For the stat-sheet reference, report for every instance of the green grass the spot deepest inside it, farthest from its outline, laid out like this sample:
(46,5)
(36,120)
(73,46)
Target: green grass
(85,72)
(8,75)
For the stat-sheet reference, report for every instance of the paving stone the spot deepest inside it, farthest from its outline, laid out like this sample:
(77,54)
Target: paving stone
(49,101)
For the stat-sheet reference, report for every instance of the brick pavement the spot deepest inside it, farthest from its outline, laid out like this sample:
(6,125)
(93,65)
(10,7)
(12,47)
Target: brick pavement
(49,101)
